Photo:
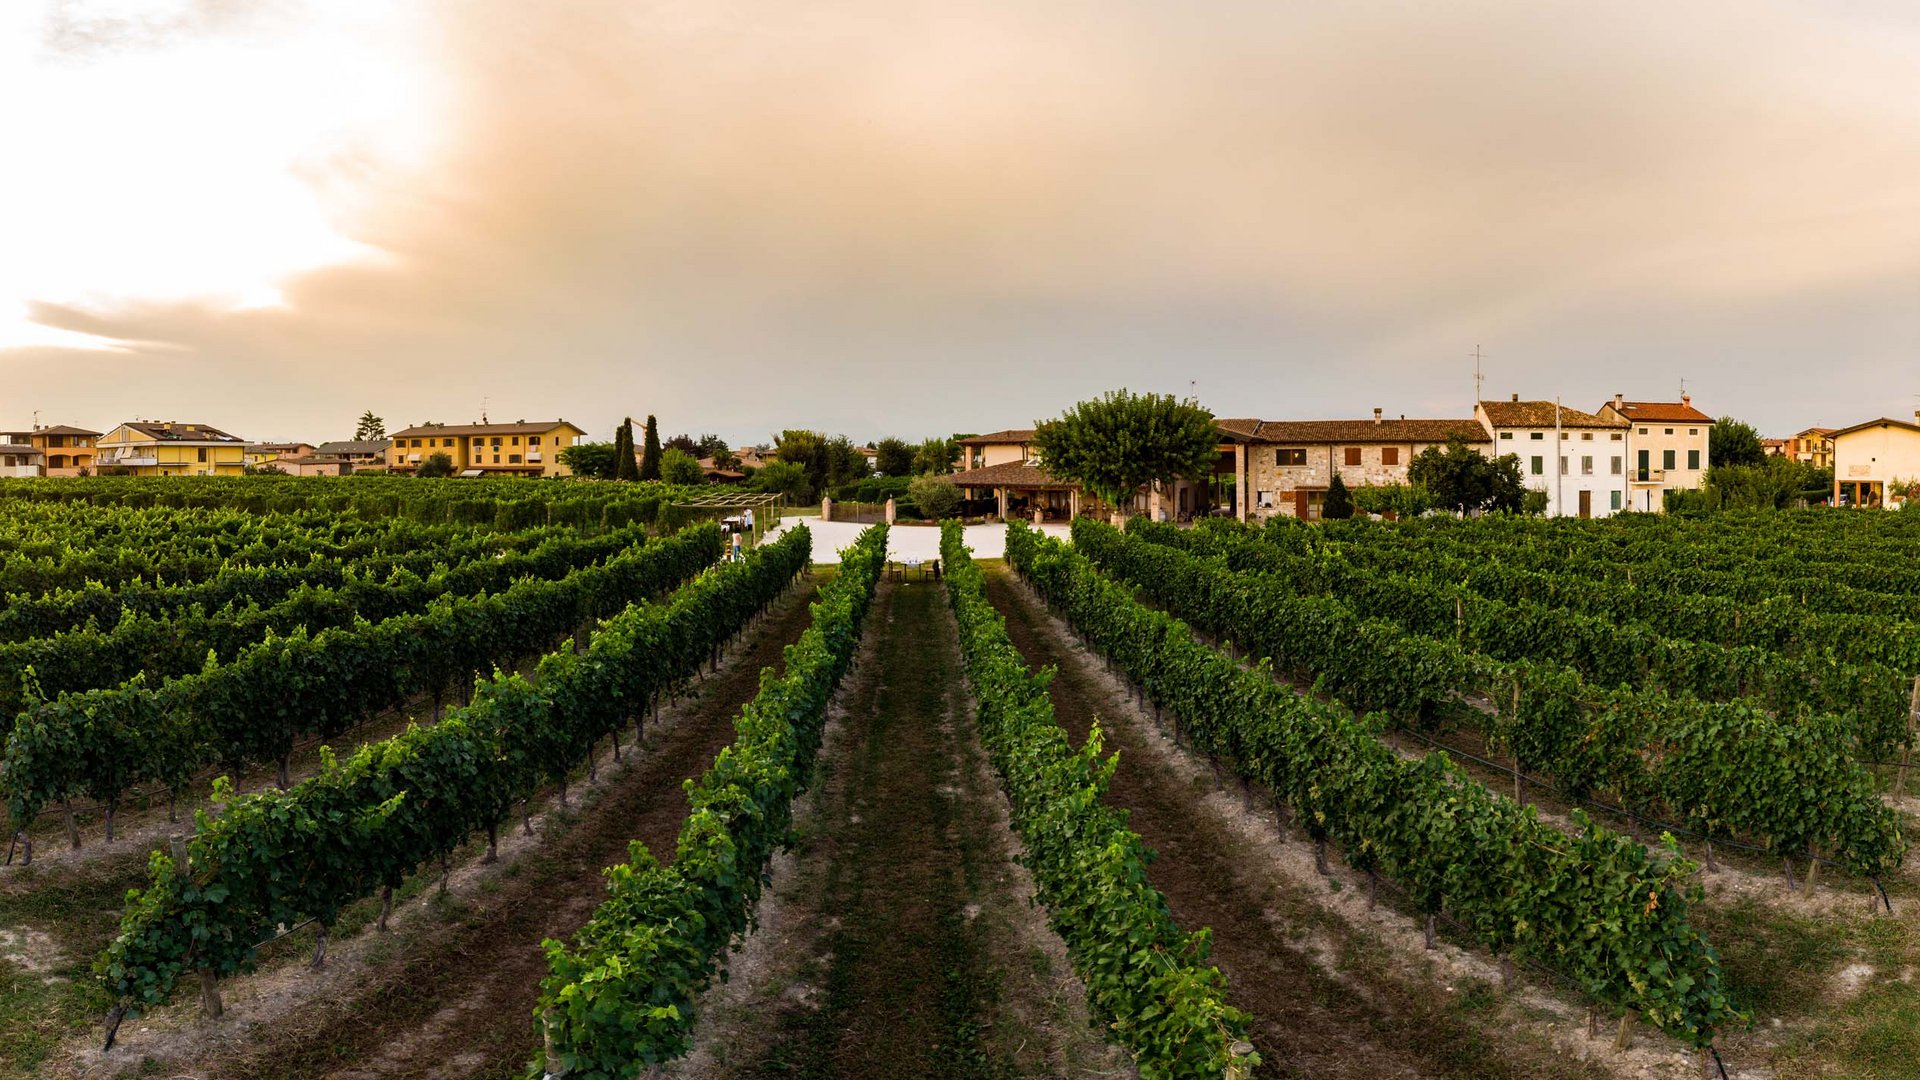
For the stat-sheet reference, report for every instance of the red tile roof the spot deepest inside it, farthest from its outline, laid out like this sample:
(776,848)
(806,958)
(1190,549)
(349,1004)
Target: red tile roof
(1541,414)
(1660,412)
(64,429)
(1000,438)
(521,428)
(1356,431)
(175,431)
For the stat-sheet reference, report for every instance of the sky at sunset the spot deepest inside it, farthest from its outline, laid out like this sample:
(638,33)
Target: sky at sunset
(902,217)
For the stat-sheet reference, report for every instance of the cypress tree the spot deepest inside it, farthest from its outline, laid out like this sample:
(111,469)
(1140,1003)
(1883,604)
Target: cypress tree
(624,467)
(1339,502)
(650,454)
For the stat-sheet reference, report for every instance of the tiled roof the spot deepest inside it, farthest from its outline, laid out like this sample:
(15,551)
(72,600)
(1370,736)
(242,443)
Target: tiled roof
(274,447)
(1357,431)
(64,429)
(174,431)
(1650,411)
(999,438)
(1910,425)
(520,428)
(352,446)
(1540,414)
(1008,474)
(1816,432)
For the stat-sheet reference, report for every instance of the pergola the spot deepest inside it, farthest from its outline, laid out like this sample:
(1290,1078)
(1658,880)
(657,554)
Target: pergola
(764,504)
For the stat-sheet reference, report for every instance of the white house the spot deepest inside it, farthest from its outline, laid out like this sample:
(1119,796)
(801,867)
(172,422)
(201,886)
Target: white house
(1577,458)
(1667,448)
(1875,462)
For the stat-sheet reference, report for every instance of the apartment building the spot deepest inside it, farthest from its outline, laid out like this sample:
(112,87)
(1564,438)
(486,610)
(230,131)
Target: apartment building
(521,448)
(170,448)
(66,450)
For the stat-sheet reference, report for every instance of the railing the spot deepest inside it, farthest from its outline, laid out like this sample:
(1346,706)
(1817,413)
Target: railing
(1649,476)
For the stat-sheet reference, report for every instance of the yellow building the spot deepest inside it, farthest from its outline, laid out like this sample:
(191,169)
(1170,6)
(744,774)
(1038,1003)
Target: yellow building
(66,450)
(170,448)
(259,454)
(516,449)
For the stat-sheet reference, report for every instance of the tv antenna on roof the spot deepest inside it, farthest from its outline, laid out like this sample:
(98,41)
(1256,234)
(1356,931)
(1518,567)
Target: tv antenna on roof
(483,409)
(1478,379)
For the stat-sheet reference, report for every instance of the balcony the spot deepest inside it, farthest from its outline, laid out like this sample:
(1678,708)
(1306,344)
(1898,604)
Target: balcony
(128,460)
(1649,476)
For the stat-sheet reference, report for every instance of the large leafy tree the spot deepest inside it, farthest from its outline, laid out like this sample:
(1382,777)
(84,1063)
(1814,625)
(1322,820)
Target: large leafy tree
(783,478)
(935,456)
(650,452)
(1734,442)
(1120,442)
(370,428)
(436,465)
(893,457)
(934,495)
(826,462)
(1463,479)
(679,467)
(592,460)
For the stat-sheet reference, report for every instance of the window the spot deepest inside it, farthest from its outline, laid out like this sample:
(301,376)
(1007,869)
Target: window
(496,442)
(1643,431)
(1669,431)
(1563,464)
(1666,459)
(1538,435)
(1353,455)
(513,459)
(516,440)
(1290,456)
(1693,431)
(1565,435)
(1616,436)
(478,442)
(1586,465)
(1539,465)
(1506,434)
(533,440)
(1615,494)
(1616,467)
(1389,455)
(496,459)
(1693,459)
(1586,436)
(416,443)
(203,453)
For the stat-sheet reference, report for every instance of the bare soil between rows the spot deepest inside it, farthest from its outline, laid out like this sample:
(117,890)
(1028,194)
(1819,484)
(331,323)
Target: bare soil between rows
(1325,1000)
(459,1001)
(904,944)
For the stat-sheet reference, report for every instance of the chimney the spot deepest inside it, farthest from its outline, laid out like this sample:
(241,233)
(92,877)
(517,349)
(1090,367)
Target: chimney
(1620,399)
(1376,416)
(1516,399)
(1686,398)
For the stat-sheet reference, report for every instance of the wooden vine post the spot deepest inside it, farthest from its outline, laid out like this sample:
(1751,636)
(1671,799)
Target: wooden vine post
(1625,1038)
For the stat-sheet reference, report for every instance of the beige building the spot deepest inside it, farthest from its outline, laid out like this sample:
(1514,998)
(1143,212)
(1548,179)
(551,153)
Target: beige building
(258,454)
(1667,447)
(18,455)
(1876,463)
(171,448)
(1290,463)
(521,448)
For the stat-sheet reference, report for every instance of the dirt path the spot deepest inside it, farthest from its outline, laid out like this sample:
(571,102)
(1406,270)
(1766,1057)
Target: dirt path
(1327,999)
(899,941)
(458,1001)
